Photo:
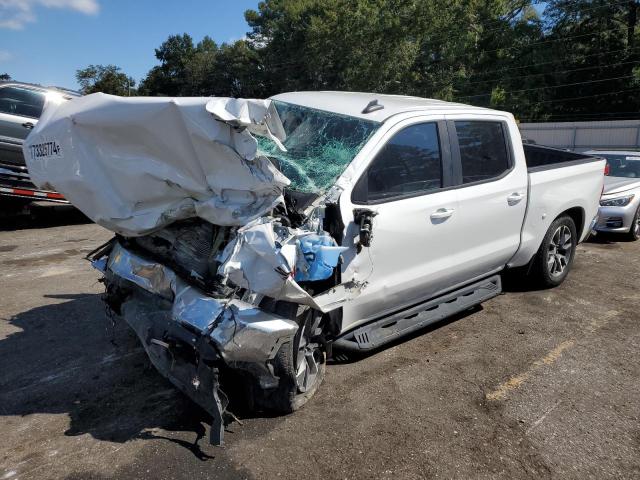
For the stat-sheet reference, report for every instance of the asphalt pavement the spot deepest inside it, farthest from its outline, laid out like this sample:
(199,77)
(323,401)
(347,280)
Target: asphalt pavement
(533,384)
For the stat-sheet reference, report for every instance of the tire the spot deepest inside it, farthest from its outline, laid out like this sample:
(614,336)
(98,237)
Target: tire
(300,366)
(554,258)
(634,231)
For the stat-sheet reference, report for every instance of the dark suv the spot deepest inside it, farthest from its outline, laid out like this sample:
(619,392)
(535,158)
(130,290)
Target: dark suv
(21,104)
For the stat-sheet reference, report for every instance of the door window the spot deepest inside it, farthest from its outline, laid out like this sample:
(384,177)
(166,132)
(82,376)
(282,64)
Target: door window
(21,101)
(483,150)
(409,164)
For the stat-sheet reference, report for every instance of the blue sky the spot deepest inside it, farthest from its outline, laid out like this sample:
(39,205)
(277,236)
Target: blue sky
(46,41)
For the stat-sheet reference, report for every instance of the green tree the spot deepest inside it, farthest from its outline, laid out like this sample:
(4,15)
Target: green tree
(338,44)
(595,41)
(106,79)
(205,69)
(238,72)
(577,58)
(5,77)
(425,48)
(200,68)
(171,77)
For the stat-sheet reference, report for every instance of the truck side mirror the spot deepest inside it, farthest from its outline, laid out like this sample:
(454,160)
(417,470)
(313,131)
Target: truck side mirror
(363,217)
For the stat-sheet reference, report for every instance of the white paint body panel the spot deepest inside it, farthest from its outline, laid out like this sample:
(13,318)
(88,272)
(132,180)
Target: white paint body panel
(554,191)
(411,259)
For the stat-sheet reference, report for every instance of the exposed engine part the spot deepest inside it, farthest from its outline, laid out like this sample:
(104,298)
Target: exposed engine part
(189,247)
(294,205)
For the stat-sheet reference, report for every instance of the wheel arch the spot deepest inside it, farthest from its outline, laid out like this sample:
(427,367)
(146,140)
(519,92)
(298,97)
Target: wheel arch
(577,215)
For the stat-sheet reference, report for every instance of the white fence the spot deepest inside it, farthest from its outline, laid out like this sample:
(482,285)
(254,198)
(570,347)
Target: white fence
(581,136)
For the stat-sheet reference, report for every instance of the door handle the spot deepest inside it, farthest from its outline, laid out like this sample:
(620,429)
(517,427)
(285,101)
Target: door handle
(514,198)
(28,125)
(442,213)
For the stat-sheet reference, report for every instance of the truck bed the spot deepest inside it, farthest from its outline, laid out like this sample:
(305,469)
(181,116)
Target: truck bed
(543,158)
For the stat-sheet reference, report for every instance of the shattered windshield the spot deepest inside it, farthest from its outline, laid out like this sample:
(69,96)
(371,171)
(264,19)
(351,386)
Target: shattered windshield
(319,145)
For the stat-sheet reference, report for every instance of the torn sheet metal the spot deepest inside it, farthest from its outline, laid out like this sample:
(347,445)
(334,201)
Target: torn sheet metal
(241,332)
(164,343)
(136,164)
(151,276)
(264,258)
(259,117)
(256,335)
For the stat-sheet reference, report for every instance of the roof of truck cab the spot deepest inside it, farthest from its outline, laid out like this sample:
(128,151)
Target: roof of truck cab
(353,104)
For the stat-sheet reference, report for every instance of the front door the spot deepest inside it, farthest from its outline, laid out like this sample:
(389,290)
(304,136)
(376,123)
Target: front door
(417,234)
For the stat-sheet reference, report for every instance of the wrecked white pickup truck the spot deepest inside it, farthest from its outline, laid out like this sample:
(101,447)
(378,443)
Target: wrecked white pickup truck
(254,235)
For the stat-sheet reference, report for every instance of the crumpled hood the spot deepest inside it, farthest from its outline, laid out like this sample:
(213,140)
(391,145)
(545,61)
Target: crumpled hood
(613,185)
(137,164)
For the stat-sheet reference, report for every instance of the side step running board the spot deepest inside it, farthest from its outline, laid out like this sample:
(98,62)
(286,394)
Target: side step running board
(380,332)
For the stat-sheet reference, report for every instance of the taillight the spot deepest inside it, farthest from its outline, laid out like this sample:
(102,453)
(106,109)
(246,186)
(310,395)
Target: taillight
(607,169)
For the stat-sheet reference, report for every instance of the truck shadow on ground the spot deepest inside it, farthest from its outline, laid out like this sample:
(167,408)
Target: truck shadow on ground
(65,358)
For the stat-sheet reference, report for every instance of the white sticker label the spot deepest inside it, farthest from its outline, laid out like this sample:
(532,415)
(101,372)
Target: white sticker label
(45,149)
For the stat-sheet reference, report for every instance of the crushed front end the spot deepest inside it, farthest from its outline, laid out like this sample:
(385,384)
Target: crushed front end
(216,264)
(188,333)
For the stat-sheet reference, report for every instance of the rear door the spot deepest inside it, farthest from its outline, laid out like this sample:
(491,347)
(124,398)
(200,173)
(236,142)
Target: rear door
(492,190)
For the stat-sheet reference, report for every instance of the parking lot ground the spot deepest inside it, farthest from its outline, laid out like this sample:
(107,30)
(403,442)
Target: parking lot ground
(534,384)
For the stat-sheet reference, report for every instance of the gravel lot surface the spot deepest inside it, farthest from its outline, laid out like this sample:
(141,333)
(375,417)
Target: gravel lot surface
(534,384)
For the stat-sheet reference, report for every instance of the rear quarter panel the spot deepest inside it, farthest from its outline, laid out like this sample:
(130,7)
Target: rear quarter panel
(553,192)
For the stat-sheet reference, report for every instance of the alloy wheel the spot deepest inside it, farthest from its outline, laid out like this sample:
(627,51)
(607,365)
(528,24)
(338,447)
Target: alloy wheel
(560,250)
(309,355)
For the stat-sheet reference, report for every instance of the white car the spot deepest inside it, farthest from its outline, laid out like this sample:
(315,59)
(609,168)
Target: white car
(351,220)
(620,202)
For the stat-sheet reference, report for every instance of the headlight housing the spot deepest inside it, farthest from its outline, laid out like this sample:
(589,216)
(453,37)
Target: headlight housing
(617,202)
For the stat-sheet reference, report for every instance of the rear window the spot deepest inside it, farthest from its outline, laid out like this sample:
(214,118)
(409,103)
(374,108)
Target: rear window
(21,101)
(483,150)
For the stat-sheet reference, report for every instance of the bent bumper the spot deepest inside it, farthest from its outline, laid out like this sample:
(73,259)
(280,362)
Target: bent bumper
(187,334)
(170,350)
(240,331)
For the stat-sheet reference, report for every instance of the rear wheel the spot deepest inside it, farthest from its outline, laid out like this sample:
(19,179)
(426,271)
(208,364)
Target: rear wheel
(634,231)
(554,259)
